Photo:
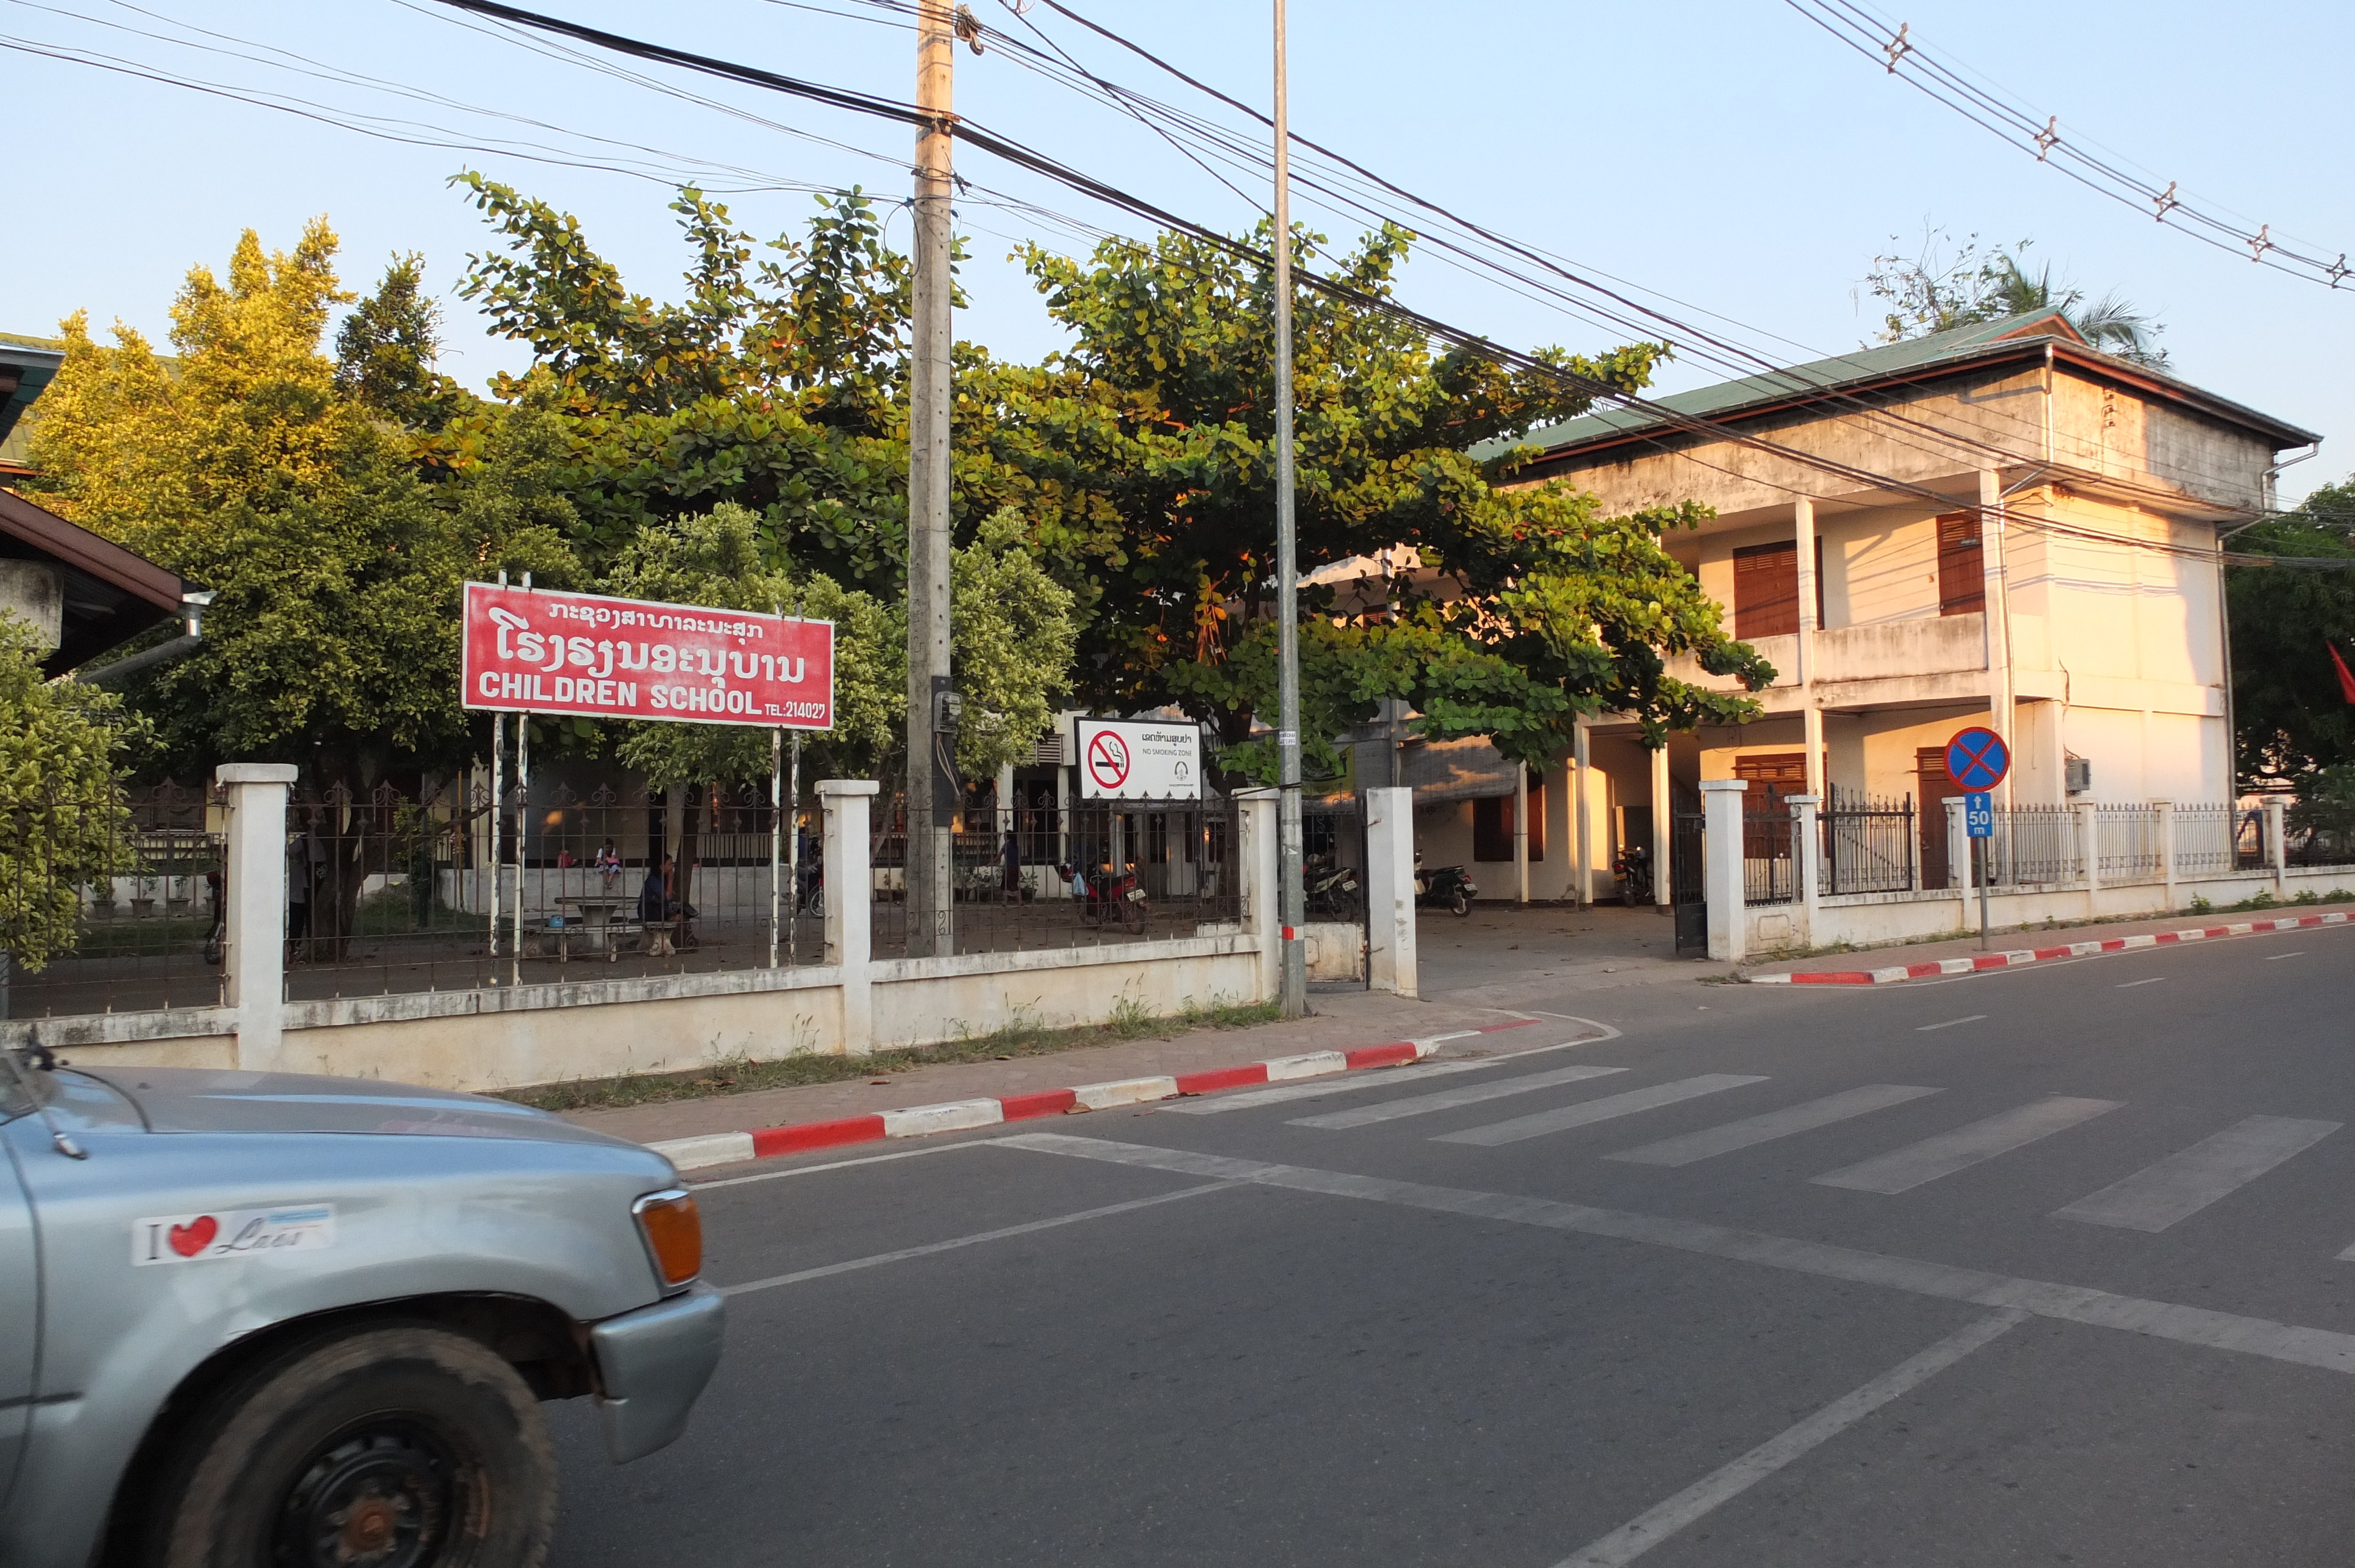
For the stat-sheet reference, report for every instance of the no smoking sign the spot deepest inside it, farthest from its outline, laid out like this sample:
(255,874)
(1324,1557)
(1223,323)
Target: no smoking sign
(1107,761)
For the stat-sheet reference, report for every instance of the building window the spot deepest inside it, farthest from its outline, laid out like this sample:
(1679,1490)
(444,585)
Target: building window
(1492,825)
(1962,577)
(1767,590)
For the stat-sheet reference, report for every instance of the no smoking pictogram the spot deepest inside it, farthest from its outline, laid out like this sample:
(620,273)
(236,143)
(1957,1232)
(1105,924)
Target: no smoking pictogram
(1107,760)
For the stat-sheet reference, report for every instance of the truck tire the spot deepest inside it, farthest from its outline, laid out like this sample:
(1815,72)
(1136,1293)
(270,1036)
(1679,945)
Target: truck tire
(402,1445)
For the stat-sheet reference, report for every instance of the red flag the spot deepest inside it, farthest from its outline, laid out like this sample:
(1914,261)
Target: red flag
(2346,678)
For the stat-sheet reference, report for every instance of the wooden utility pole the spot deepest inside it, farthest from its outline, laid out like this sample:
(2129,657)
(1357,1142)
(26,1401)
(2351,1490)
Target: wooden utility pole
(932,797)
(1290,912)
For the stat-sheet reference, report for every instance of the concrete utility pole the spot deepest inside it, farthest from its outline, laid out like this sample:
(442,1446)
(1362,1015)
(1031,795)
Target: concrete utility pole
(1290,902)
(932,796)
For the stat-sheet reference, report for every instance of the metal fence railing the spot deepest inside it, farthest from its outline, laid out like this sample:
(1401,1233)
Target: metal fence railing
(2128,850)
(2034,846)
(1869,845)
(2205,838)
(110,905)
(394,893)
(1086,875)
(1766,844)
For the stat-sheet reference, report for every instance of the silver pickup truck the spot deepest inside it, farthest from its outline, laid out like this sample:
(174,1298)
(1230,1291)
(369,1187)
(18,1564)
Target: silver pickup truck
(256,1320)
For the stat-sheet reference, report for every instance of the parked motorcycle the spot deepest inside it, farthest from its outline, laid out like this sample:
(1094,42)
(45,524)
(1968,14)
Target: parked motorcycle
(1109,897)
(1448,885)
(1633,867)
(1331,889)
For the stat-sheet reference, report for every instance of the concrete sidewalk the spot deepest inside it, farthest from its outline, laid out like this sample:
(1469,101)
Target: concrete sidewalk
(2021,939)
(1343,1020)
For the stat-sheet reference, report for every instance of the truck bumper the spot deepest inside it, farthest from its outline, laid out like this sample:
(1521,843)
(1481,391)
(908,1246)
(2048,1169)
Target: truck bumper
(652,1364)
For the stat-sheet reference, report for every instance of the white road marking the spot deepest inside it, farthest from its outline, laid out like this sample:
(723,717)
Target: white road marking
(1903,1170)
(2322,1348)
(1248,1099)
(1588,1112)
(1925,1028)
(1710,1142)
(1653,1526)
(2129,985)
(975,1240)
(2276,958)
(837,1165)
(1449,1099)
(2347,1256)
(2187,1181)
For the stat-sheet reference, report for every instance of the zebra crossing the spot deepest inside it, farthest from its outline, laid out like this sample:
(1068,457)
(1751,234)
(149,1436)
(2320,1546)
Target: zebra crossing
(2151,1200)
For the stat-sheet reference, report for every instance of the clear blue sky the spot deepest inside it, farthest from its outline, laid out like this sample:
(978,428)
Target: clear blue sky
(1725,153)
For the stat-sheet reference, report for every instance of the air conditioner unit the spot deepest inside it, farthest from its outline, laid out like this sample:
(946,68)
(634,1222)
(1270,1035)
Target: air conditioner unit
(2079,776)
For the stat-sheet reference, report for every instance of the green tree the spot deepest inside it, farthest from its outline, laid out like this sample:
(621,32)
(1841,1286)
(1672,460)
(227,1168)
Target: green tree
(332,640)
(386,349)
(1145,459)
(2291,717)
(1939,288)
(63,823)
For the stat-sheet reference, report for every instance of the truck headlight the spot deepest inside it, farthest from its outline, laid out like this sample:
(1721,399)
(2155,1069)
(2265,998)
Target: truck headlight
(672,1229)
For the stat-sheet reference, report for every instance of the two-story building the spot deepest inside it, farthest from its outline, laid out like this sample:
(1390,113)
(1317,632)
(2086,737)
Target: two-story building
(1996,525)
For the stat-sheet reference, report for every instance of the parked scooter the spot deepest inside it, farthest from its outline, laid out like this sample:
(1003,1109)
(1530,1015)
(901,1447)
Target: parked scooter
(1109,897)
(1447,886)
(1330,889)
(1635,868)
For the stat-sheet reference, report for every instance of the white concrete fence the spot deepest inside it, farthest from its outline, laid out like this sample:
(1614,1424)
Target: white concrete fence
(507,1036)
(2082,862)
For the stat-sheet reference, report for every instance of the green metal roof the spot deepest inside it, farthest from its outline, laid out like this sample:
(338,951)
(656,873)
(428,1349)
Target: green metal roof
(1802,383)
(26,368)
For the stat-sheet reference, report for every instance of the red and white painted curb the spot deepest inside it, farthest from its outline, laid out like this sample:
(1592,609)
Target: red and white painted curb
(2038,955)
(959,1115)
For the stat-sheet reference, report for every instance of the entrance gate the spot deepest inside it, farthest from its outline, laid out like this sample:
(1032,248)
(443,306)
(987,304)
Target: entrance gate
(1333,867)
(1687,884)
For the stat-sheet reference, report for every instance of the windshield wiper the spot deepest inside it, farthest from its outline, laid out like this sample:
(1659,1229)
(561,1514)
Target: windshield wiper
(47,1063)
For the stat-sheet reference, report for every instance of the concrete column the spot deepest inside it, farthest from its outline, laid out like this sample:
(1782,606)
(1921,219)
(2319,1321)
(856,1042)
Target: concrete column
(1257,857)
(1811,722)
(1581,873)
(1958,847)
(2089,850)
(1005,799)
(849,892)
(1729,916)
(1803,528)
(254,935)
(1062,827)
(2277,847)
(2167,847)
(1807,858)
(1389,891)
(1663,831)
(1520,832)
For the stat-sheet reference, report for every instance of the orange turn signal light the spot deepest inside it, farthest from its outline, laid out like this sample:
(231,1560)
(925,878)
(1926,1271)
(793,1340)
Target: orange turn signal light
(674,1231)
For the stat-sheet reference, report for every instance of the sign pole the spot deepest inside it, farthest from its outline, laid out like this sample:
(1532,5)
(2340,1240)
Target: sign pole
(1987,874)
(1290,911)
(498,810)
(776,837)
(793,852)
(523,828)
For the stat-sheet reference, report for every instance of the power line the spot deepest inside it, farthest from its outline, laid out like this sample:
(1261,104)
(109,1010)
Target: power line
(1906,58)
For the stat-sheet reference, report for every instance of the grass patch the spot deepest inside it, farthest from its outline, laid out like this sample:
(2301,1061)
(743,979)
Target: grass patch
(738,1076)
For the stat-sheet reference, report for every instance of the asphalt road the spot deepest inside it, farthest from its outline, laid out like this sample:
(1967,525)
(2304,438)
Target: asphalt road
(2032,1266)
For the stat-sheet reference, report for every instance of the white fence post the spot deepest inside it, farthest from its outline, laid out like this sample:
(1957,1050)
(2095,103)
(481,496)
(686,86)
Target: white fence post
(1806,857)
(1958,847)
(2089,851)
(253,946)
(850,896)
(2166,847)
(2277,847)
(1721,856)
(1256,855)
(1389,891)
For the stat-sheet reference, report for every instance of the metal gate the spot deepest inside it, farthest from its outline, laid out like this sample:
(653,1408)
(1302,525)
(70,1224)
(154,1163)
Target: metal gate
(1333,867)
(1687,884)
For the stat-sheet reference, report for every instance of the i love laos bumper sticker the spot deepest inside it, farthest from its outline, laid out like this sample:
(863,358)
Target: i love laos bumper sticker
(232,1232)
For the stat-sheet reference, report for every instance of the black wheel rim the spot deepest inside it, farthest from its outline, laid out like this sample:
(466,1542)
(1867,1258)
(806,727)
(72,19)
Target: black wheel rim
(380,1496)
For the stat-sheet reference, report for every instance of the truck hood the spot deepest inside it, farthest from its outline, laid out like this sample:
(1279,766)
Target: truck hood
(184,1099)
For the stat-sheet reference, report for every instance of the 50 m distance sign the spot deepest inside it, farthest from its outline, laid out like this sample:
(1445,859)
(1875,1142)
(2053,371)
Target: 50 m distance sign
(539,651)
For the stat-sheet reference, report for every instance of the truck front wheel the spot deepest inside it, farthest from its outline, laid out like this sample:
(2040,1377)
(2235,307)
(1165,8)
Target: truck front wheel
(404,1446)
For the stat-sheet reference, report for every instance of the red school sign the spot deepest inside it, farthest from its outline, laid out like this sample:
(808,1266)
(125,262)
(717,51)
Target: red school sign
(537,650)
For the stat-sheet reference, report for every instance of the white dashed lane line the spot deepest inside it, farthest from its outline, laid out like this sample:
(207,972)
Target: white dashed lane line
(1925,1028)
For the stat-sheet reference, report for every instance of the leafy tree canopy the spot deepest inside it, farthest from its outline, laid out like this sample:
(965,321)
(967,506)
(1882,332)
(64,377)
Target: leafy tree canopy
(1147,460)
(62,821)
(2291,715)
(1945,285)
(332,640)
